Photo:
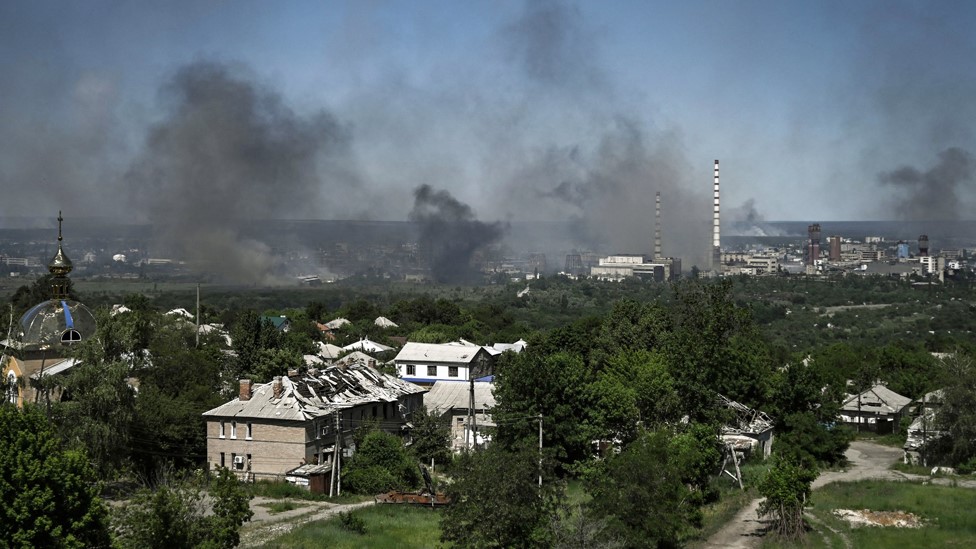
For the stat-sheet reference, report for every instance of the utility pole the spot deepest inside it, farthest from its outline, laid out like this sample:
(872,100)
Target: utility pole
(334,480)
(540,451)
(198,315)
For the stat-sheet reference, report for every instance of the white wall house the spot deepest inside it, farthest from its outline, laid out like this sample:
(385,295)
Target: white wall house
(427,363)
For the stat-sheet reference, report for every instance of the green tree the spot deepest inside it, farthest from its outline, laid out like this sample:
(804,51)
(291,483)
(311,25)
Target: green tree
(177,514)
(381,463)
(49,499)
(555,386)
(97,411)
(497,502)
(805,405)
(957,415)
(641,495)
(786,488)
(179,384)
(431,436)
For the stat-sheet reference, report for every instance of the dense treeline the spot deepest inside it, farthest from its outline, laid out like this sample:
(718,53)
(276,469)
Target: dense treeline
(635,366)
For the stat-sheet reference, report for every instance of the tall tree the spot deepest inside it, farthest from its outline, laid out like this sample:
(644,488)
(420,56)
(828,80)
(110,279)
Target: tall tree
(957,415)
(497,501)
(49,499)
(642,496)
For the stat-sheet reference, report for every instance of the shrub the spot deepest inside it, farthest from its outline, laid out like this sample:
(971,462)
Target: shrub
(352,523)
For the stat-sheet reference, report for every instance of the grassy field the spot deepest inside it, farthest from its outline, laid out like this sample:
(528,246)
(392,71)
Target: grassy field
(386,526)
(946,513)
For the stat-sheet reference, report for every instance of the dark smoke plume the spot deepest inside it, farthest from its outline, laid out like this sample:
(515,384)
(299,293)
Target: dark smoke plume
(228,153)
(450,234)
(745,220)
(936,193)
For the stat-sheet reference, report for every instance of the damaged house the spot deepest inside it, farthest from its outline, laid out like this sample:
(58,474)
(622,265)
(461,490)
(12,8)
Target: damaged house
(305,418)
(877,409)
(749,431)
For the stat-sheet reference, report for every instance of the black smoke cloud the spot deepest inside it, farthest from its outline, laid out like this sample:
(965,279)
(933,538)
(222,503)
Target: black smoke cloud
(230,153)
(450,234)
(939,192)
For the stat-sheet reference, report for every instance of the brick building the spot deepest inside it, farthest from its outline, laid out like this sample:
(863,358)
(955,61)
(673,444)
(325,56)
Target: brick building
(274,427)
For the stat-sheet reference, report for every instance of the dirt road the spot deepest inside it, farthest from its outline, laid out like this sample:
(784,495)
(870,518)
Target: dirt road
(265,526)
(867,461)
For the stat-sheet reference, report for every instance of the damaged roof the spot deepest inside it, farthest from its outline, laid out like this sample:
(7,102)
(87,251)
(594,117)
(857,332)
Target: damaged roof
(311,395)
(878,399)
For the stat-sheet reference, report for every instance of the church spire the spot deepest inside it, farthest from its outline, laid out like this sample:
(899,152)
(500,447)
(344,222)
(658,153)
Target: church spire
(59,268)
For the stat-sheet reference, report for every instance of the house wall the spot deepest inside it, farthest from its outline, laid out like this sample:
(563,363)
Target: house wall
(443,371)
(275,447)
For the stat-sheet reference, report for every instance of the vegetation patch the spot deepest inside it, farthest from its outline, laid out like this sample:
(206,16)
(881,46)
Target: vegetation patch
(946,516)
(282,506)
(386,526)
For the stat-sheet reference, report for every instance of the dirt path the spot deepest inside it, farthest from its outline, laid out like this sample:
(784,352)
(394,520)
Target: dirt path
(265,526)
(867,461)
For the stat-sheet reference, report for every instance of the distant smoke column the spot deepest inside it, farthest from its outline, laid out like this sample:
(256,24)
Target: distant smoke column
(657,226)
(834,248)
(923,245)
(813,249)
(716,235)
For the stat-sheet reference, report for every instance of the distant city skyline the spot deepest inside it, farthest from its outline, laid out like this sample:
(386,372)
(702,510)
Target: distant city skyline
(517,110)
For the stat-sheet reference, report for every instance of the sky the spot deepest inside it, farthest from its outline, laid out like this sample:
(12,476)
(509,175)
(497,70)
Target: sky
(517,110)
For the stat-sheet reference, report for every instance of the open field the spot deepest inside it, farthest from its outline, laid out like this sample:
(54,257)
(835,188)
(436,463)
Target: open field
(945,513)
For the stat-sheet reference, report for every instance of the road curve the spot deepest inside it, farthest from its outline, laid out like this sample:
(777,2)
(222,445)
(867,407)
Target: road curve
(867,461)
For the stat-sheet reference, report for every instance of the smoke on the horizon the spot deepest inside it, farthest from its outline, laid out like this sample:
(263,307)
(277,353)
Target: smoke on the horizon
(939,192)
(450,235)
(229,152)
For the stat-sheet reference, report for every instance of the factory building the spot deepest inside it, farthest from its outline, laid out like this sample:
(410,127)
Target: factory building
(621,266)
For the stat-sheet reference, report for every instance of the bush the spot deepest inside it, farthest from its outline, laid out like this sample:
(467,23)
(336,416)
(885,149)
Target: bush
(381,463)
(370,480)
(786,489)
(352,523)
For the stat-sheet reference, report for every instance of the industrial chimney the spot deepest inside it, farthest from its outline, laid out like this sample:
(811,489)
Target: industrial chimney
(716,236)
(923,245)
(657,226)
(813,248)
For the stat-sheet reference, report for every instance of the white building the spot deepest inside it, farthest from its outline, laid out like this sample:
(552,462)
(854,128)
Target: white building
(427,363)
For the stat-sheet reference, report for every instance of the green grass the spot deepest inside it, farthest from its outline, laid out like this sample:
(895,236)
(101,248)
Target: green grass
(947,512)
(387,526)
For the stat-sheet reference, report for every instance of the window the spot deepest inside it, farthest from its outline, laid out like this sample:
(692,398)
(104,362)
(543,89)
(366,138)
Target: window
(233,429)
(411,369)
(222,462)
(432,370)
(452,371)
(221,429)
(384,410)
(374,411)
(249,431)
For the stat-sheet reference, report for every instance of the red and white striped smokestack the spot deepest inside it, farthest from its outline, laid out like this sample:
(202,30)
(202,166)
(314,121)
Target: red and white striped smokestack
(716,232)
(657,226)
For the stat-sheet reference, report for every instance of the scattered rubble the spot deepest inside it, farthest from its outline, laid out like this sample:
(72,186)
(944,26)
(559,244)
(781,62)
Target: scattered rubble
(867,517)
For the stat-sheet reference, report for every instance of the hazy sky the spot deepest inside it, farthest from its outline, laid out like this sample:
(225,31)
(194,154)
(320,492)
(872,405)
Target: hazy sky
(818,110)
